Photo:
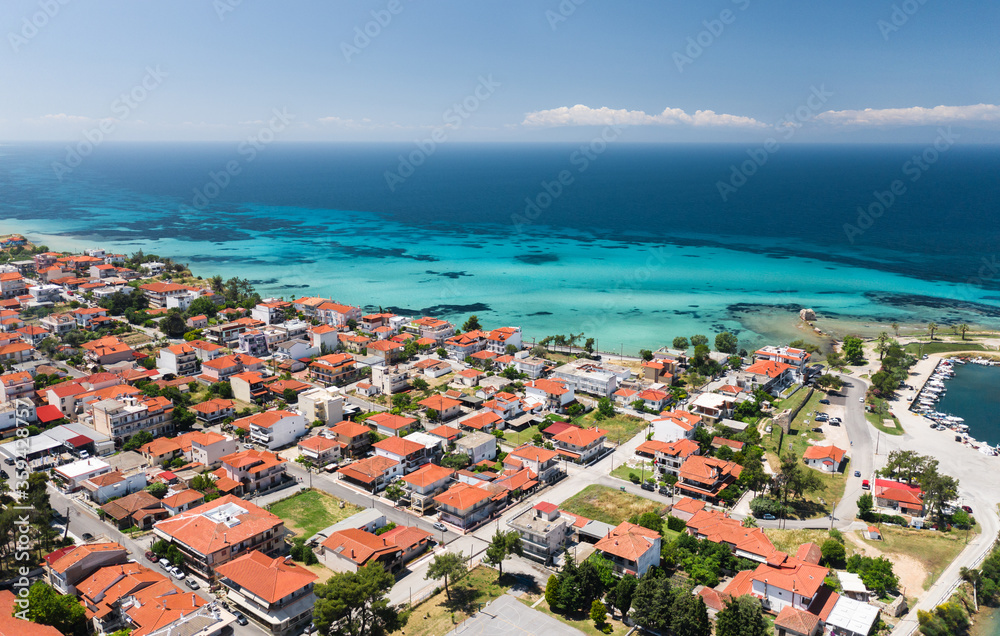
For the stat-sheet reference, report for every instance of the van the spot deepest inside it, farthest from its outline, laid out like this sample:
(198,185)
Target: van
(865,485)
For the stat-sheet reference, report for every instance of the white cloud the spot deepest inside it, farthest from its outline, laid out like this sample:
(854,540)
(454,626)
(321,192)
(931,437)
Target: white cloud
(581,115)
(63,118)
(913,116)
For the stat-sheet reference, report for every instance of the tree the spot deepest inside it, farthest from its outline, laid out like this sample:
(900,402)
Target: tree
(158,489)
(646,354)
(680,342)
(947,619)
(394,492)
(420,384)
(455,461)
(741,616)
(606,407)
(598,614)
(552,592)
(895,328)
(48,607)
(651,601)
(138,440)
(726,342)
(853,349)
(932,327)
(963,329)
(866,506)
(472,324)
(449,566)
(698,340)
(650,520)
(356,604)
(432,415)
(834,553)
(938,489)
(173,324)
(290,396)
(503,545)
(830,381)
(620,597)
(689,616)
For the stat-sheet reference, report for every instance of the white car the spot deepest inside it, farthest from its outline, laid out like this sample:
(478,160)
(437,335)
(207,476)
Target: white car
(861,399)
(165,564)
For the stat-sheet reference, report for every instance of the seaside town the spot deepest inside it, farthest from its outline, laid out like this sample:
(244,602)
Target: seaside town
(195,459)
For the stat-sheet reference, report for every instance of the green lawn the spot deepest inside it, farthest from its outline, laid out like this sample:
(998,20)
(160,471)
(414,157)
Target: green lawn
(516,438)
(580,621)
(438,615)
(309,511)
(881,413)
(788,541)
(624,471)
(927,348)
(609,505)
(620,428)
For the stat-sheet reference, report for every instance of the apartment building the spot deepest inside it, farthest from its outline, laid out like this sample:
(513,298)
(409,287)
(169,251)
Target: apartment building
(121,419)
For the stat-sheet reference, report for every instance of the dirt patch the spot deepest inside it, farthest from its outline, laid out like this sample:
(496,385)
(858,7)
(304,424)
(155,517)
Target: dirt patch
(911,572)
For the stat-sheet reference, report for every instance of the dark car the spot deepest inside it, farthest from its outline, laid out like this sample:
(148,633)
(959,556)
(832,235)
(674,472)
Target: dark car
(857,473)
(241,619)
(9,461)
(646,485)
(769,517)
(968,509)
(824,401)
(86,536)
(151,556)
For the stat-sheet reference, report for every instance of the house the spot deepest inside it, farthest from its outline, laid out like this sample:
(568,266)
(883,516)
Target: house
(271,312)
(719,442)
(482,421)
(465,344)
(423,484)
(706,477)
(33,335)
(182,500)
(197,322)
(580,445)
(179,359)
(253,342)
(469,377)
(445,407)
(255,470)
(73,475)
(795,622)
(796,358)
(350,549)
(385,350)
(114,484)
(372,473)
(872,533)
(411,540)
(431,328)
(432,368)
(158,293)
(712,407)
(825,458)
(505,404)
(323,338)
(897,496)
(630,548)
(544,531)
(391,425)
(221,531)
(658,371)
(78,563)
(206,448)
(785,581)
(464,505)
(850,617)
(249,387)
(336,314)
(308,305)
(337,368)
(214,410)
(322,404)
(320,451)
(16,385)
(686,508)
(553,395)
(478,446)
(653,399)
(498,340)
(121,419)
(767,375)
(160,451)
(542,461)
(355,437)
(674,425)
(409,454)
(273,429)
(140,509)
(588,377)
(276,592)
(12,285)
(715,526)
(106,351)
(221,368)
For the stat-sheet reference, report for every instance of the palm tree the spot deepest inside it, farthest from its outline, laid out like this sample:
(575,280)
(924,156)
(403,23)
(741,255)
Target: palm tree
(932,327)
(895,328)
(975,578)
(963,328)
(881,346)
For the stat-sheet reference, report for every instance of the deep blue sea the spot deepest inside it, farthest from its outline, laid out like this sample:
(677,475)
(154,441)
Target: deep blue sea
(972,395)
(633,245)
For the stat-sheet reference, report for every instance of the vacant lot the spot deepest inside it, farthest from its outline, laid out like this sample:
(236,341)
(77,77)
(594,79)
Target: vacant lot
(641,470)
(788,541)
(309,511)
(620,428)
(437,615)
(580,621)
(601,503)
(933,550)
(927,348)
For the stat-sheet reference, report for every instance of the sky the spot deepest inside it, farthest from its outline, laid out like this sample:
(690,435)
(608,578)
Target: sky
(499,70)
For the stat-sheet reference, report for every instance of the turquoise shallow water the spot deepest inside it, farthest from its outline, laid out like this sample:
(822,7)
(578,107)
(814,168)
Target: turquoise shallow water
(638,251)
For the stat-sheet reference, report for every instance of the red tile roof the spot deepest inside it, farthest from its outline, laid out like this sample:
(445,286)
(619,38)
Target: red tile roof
(266,578)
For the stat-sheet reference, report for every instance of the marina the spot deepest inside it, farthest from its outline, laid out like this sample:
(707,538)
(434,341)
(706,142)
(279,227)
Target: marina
(940,411)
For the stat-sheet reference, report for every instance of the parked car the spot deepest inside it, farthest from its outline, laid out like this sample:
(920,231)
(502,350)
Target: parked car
(165,564)
(178,574)
(817,430)
(824,401)
(86,536)
(150,556)
(9,461)
(861,399)
(241,619)
(440,526)
(648,485)
(248,446)
(769,517)
(857,473)
(968,509)
(665,490)
(191,583)
(865,485)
